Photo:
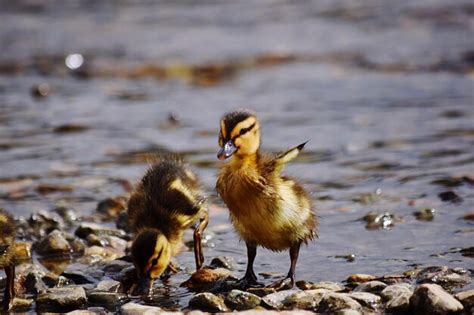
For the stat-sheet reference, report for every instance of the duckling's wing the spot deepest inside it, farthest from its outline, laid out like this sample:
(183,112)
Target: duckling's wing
(285,157)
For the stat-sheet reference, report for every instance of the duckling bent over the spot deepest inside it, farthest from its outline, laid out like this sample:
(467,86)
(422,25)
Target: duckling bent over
(266,209)
(7,237)
(166,202)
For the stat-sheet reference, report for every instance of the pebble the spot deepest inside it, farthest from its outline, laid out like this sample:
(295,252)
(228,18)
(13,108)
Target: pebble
(466,298)
(22,251)
(63,299)
(208,302)
(333,302)
(92,228)
(205,278)
(360,278)
(275,300)
(369,300)
(109,300)
(307,300)
(108,286)
(226,262)
(112,207)
(446,277)
(55,243)
(132,308)
(241,300)
(426,214)
(397,296)
(371,286)
(433,299)
(450,196)
(82,274)
(261,292)
(328,285)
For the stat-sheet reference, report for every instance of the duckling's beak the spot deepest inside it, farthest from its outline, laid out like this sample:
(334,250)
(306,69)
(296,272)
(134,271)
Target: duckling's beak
(144,287)
(227,150)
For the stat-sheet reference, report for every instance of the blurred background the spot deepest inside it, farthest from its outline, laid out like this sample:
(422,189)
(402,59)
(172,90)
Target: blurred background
(90,91)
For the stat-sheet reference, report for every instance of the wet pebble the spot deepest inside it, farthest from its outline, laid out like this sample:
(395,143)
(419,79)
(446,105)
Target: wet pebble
(55,243)
(45,189)
(82,274)
(205,278)
(307,300)
(328,285)
(42,223)
(20,305)
(107,286)
(112,207)
(92,228)
(371,287)
(449,196)
(208,302)
(63,299)
(132,308)
(22,251)
(433,299)
(469,216)
(68,215)
(360,278)
(40,90)
(333,302)
(275,300)
(261,292)
(383,220)
(241,300)
(397,296)
(446,277)
(426,214)
(226,262)
(109,300)
(366,299)
(466,298)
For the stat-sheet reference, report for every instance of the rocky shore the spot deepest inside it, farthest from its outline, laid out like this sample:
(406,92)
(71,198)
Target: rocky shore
(66,263)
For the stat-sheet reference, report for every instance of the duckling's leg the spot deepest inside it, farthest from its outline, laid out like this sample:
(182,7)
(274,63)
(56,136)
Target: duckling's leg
(250,279)
(289,281)
(198,255)
(10,288)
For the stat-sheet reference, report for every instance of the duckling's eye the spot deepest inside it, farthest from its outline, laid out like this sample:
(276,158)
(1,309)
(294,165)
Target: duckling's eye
(154,261)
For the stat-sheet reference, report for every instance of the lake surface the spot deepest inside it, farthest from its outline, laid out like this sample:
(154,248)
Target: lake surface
(384,91)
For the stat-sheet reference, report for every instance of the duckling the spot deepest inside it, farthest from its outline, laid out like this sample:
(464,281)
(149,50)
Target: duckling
(7,237)
(266,209)
(165,203)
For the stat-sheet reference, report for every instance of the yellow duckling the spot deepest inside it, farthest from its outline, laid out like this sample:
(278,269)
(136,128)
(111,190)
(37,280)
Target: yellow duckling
(7,237)
(266,209)
(165,203)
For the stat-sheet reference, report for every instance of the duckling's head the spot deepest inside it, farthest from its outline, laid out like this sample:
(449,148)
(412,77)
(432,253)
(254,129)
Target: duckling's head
(239,134)
(151,254)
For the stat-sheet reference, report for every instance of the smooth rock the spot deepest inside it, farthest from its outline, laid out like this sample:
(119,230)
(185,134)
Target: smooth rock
(446,277)
(132,308)
(63,299)
(110,300)
(466,298)
(34,283)
(275,300)
(360,278)
(332,302)
(397,296)
(82,274)
(103,253)
(433,299)
(366,299)
(241,300)
(107,285)
(371,286)
(112,206)
(22,251)
(307,300)
(92,228)
(226,262)
(43,222)
(328,285)
(207,302)
(20,305)
(261,292)
(55,243)
(205,278)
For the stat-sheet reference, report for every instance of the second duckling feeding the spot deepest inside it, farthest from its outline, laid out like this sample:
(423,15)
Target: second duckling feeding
(165,203)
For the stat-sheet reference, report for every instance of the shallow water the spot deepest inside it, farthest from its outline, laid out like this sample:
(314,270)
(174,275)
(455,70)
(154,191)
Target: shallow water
(385,94)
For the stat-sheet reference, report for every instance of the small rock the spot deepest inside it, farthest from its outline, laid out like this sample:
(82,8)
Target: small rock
(466,298)
(426,214)
(132,308)
(205,278)
(261,292)
(107,286)
(68,215)
(360,278)
(333,302)
(241,300)
(34,284)
(446,277)
(450,196)
(397,296)
(40,90)
(42,223)
(328,285)
(433,299)
(91,228)
(347,257)
(384,220)
(307,300)
(366,299)
(54,243)
(275,300)
(469,216)
(226,262)
(112,207)
(63,299)
(22,251)
(371,286)
(207,302)
(105,253)
(109,300)
(70,128)
(82,274)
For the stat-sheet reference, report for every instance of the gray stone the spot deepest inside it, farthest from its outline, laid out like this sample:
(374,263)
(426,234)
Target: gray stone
(446,277)
(332,302)
(466,298)
(328,285)
(63,299)
(53,244)
(110,300)
(397,296)
(275,300)
(132,308)
(241,300)
(371,286)
(366,299)
(226,262)
(307,300)
(207,302)
(92,228)
(433,299)
(107,285)
(82,274)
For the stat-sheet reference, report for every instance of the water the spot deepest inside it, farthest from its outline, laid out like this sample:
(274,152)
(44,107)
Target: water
(384,92)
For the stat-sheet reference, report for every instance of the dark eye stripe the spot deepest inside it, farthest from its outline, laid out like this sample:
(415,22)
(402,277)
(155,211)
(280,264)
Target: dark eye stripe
(244,131)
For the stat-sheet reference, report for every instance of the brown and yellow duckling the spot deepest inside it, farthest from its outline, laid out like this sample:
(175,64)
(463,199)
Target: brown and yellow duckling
(266,209)
(7,237)
(165,203)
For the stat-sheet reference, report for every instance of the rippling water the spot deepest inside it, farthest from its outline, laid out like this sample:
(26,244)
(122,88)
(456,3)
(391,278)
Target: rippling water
(384,91)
